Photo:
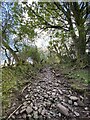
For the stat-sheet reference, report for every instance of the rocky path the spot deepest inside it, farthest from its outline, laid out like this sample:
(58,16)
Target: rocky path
(51,98)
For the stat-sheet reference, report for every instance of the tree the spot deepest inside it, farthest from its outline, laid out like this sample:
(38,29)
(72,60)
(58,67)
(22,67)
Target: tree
(61,47)
(7,25)
(68,16)
(14,29)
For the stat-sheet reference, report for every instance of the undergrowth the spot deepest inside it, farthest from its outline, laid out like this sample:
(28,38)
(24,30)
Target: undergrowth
(14,79)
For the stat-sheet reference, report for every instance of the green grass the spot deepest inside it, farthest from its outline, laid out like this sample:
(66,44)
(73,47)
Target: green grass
(78,74)
(77,78)
(14,79)
(82,75)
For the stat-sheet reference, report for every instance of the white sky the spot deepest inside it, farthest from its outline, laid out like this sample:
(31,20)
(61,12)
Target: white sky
(43,41)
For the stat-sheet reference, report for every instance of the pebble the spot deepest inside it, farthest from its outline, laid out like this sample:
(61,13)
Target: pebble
(86,108)
(43,112)
(70,102)
(29,110)
(35,108)
(26,96)
(80,103)
(46,95)
(63,109)
(39,110)
(59,115)
(35,114)
(29,116)
(17,112)
(75,103)
(25,103)
(23,110)
(73,98)
(49,100)
(76,113)
(23,107)
(60,92)
(28,102)
(13,117)
(57,75)
(24,116)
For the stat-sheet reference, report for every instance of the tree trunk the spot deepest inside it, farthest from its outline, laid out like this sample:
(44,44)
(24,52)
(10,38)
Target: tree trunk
(11,51)
(81,48)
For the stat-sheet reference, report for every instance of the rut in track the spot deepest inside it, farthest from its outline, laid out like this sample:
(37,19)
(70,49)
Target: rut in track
(50,97)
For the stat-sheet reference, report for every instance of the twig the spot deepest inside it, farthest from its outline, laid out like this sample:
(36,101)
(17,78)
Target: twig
(25,88)
(13,112)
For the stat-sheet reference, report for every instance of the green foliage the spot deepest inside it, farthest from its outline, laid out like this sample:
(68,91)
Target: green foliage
(60,47)
(35,54)
(13,79)
(81,75)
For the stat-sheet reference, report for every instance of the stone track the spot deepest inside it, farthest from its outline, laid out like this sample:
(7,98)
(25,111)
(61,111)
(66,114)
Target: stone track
(50,97)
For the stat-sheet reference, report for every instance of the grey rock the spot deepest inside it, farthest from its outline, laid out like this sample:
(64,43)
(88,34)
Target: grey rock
(80,103)
(73,98)
(17,112)
(65,104)
(53,94)
(81,97)
(43,112)
(70,102)
(46,95)
(44,104)
(63,109)
(24,116)
(25,103)
(13,117)
(56,84)
(27,96)
(23,107)
(59,114)
(31,104)
(35,108)
(14,104)
(48,92)
(35,115)
(48,115)
(48,103)
(29,101)
(20,117)
(29,90)
(23,110)
(40,110)
(60,92)
(54,90)
(29,116)
(76,113)
(29,110)
(86,108)
(57,75)
(75,103)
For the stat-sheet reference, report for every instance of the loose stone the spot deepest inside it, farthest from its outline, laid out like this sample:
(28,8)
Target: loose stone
(23,110)
(24,116)
(73,98)
(63,109)
(70,102)
(29,110)
(35,114)
(76,113)
(75,103)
